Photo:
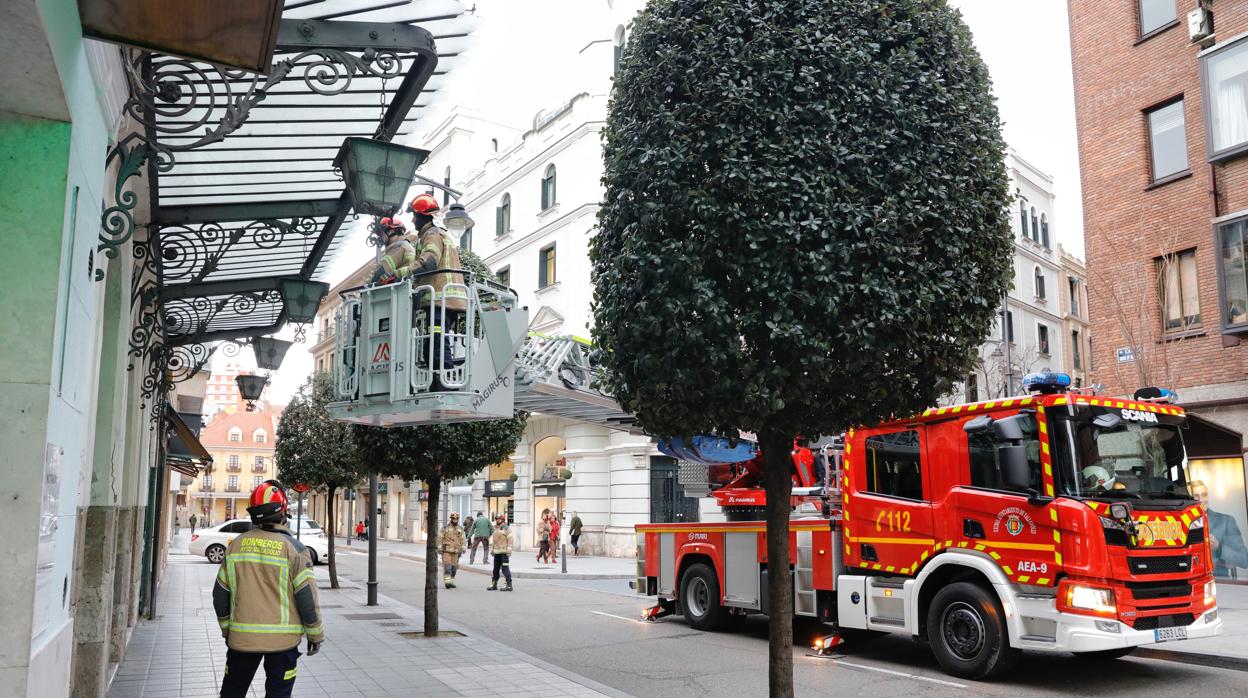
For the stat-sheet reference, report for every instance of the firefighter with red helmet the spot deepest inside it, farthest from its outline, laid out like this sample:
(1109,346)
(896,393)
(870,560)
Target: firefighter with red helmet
(436,251)
(397,261)
(265,599)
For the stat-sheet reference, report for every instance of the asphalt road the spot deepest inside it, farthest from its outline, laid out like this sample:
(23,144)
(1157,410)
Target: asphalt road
(590,627)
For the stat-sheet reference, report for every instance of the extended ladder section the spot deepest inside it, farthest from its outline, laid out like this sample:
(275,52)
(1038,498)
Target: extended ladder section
(554,375)
(407,354)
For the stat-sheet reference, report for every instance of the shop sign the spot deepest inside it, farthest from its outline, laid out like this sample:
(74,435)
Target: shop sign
(499,488)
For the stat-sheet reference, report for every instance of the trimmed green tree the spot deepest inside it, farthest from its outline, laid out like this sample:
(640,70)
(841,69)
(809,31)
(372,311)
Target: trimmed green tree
(805,227)
(315,450)
(437,453)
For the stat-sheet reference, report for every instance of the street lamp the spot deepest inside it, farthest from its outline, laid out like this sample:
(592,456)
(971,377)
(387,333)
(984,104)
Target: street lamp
(300,299)
(457,219)
(377,173)
(251,387)
(269,352)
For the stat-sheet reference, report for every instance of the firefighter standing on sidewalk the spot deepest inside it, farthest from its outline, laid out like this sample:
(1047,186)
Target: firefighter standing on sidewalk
(265,599)
(501,541)
(451,544)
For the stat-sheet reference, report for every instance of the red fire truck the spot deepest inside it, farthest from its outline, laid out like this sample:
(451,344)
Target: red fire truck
(1060,521)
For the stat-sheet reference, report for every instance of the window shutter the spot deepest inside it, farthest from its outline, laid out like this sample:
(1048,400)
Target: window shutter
(541,269)
(498,222)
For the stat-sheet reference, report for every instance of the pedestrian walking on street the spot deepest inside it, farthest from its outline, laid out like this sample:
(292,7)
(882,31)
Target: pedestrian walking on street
(574,528)
(543,537)
(265,600)
(502,541)
(554,537)
(359,531)
(481,531)
(468,528)
(451,545)
(194,520)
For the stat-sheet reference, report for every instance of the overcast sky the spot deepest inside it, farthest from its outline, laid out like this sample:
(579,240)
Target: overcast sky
(524,59)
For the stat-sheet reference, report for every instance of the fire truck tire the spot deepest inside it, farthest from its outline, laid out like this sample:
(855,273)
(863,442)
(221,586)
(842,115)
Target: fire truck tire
(699,599)
(967,633)
(1117,653)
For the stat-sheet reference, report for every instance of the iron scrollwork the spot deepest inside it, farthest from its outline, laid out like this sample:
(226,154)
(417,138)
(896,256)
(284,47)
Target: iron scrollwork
(195,253)
(191,316)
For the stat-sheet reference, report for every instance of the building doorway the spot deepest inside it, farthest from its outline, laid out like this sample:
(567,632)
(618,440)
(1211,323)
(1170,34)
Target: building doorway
(668,502)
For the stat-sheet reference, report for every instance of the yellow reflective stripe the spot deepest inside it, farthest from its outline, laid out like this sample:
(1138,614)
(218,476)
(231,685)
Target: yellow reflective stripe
(261,628)
(283,566)
(290,674)
(302,577)
(224,623)
(314,629)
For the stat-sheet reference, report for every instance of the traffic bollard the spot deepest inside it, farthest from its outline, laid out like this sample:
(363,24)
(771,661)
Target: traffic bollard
(563,555)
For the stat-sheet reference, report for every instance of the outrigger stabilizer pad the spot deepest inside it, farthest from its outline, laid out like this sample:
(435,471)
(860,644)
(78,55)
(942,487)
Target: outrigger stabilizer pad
(656,612)
(823,646)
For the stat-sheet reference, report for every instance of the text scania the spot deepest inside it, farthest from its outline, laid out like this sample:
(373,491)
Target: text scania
(489,390)
(1139,416)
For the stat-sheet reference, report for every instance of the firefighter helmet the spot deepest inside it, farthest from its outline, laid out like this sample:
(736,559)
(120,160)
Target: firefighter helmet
(424,204)
(268,503)
(392,226)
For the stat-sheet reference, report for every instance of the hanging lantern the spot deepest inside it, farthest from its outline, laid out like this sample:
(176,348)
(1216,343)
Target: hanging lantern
(301,298)
(269,352)
(377,173)
(251,388)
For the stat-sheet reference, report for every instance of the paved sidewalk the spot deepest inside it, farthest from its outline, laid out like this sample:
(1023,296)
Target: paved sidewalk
(524,564)
(182,654)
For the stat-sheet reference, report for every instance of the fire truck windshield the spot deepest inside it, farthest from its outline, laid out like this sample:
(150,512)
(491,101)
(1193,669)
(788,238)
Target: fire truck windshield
(1121,454)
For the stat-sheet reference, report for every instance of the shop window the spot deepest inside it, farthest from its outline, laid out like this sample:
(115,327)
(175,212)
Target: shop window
(1233,273)
(893,465)
(1179,290)
(1167,140)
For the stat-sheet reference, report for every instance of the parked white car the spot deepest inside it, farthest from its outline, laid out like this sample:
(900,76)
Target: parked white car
(212,541)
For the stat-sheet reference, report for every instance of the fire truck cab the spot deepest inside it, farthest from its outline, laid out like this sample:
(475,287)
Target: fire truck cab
(1058,522)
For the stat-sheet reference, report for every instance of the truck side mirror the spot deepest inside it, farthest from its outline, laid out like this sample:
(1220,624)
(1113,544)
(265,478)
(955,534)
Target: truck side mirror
(1008,429)
(978,424)
(1015,468)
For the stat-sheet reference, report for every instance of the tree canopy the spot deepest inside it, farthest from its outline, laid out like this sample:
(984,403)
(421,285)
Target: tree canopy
(805,215)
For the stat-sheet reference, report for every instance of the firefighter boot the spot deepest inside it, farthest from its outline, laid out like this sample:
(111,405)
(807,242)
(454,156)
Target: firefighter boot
(508,587)
(493,586)
(446,580)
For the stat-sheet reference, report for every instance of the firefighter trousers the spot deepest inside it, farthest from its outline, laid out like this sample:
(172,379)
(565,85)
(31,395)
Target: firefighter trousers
(279,672)
(502,563)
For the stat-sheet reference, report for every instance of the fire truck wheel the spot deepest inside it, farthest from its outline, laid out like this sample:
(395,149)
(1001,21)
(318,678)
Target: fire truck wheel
(1117,653)
(967,633)
(699,598)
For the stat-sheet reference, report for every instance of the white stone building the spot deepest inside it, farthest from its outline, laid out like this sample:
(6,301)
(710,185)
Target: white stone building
(1036,307)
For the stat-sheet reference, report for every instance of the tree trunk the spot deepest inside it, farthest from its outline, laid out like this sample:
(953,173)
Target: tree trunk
(778,482)
(431,555)
(328,526)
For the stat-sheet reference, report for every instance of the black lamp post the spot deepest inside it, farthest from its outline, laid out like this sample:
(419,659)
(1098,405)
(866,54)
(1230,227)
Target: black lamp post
(251,387)
(377,173)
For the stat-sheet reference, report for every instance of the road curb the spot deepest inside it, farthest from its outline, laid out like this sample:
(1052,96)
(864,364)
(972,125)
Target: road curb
(517,574)
(1215,661)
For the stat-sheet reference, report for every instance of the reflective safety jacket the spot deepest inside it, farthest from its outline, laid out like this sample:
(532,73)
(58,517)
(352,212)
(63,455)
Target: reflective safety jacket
(396,263)
(451,540)
(436,250)
(265,594)
(501,541)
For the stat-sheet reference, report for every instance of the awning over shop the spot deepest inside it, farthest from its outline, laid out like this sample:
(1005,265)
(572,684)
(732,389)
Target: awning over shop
(186,454)
(1206,439)
(239,166)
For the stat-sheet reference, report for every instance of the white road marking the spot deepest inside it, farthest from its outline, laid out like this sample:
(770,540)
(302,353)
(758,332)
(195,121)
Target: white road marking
(612,615)
(901,673)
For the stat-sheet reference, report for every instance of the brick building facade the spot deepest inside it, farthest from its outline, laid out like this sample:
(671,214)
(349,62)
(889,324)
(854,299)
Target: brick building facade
(1163,147)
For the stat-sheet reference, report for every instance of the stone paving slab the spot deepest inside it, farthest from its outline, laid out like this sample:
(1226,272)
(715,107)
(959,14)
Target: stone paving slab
(181,653)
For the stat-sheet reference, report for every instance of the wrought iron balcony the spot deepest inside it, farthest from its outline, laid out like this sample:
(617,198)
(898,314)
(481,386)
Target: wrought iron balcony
(259,468)
(231,488)
(234,468)
(209,487)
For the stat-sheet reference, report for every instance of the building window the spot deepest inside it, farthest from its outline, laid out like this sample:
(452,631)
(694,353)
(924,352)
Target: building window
(259,461)
(465,240)
(1076,354)
(893,465)
(1039,282)
(1044,231)
(1233,271)
(1074,296)
(1155,14)
(548,187)
(233,461)
(260,436)
(1180,296)
(1167,140)
(446,182)
(618,52)
(502,217)
(1042,339)
(1022,214)
(494,145)
(1009,325)
(207,482)
(236,435)
(257,481)
(504,276)
(546,266)
(972,388)
(232,483)
(1225,76)
(1035,225)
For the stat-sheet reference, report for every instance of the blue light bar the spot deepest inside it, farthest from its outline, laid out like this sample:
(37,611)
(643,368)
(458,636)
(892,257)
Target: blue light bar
(1046,381)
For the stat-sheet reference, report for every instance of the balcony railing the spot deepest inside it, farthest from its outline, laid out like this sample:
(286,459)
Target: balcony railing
(207,488)
(231,488)
(234,468)
(258,468)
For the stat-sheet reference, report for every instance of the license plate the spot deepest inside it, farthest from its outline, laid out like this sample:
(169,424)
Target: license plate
(1164,634)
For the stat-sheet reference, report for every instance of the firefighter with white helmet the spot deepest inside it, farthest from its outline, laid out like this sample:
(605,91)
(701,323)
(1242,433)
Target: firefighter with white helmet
(265,599)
